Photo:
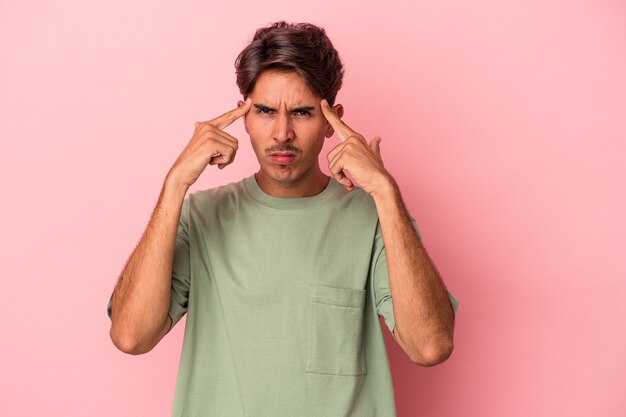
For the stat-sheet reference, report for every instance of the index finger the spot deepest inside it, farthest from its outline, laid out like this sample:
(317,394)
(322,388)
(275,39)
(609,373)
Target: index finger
(227,118)
(343,130)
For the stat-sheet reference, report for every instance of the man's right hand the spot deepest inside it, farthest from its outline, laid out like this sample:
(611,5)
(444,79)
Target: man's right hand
(209,145)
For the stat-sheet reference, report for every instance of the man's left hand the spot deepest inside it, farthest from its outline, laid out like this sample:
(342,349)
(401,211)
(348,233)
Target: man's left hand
(354,161)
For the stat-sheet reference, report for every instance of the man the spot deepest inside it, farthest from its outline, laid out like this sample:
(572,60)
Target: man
(283,275)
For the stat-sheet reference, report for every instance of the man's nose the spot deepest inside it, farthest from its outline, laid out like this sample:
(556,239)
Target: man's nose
(283,131)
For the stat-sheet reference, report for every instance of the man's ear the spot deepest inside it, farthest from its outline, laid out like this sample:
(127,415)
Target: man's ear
(338,109)
(245,116)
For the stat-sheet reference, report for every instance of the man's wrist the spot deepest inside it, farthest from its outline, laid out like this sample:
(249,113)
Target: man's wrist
(174,186)
(386,188)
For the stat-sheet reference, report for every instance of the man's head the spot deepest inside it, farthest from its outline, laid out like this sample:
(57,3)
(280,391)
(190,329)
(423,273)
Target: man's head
(302,48)
(286,71)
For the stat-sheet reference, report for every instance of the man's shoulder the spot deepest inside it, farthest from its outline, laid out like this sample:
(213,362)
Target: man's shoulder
(217,195)
(357,198)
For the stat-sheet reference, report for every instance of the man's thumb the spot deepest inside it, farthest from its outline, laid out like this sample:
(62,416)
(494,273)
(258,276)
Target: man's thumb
(375,145)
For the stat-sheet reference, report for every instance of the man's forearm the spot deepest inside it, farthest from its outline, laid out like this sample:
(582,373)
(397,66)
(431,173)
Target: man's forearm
(422,310)
(142,295)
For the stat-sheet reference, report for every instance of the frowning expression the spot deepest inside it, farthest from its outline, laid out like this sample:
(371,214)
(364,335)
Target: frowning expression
(286,127)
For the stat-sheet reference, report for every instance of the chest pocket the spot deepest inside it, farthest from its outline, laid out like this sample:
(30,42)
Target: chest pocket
(335,331)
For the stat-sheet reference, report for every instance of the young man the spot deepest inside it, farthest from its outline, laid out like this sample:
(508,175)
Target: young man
(283,275)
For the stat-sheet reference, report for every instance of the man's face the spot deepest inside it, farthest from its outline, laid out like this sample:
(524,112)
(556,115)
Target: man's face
(286,128)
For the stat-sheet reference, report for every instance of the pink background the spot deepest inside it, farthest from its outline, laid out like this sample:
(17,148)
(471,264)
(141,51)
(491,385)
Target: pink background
(503,123)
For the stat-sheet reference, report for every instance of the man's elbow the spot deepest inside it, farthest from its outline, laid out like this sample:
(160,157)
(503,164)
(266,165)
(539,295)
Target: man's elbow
(433,353)
(127,345)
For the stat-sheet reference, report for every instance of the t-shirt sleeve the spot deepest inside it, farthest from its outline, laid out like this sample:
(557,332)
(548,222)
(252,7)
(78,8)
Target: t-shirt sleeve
(181,273)
(380,279)
(180,270)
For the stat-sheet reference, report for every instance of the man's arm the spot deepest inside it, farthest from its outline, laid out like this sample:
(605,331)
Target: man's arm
(141,299)
(422,310)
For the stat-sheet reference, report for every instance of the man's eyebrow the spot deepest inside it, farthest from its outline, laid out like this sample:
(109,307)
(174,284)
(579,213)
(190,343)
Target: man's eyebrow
(302,108)
(263,107)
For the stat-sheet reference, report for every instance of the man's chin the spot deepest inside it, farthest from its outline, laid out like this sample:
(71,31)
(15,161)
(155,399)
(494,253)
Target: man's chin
(282,173)
(287,175)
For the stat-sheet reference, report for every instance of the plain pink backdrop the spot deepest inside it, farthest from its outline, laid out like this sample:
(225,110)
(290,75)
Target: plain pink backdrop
(502,121)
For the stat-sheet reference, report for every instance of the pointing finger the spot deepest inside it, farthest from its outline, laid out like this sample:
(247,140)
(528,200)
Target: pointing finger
(343,130)
(227,118)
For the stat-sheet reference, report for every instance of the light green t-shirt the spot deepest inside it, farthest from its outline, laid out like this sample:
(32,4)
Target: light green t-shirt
(282,297)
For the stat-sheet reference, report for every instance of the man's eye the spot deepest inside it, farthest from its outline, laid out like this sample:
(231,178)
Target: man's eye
(302,112)
(264,110)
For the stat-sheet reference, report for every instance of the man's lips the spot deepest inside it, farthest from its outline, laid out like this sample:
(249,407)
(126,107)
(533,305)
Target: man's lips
(282,158)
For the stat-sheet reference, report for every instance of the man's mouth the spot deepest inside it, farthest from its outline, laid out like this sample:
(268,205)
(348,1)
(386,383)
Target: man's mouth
(283,158)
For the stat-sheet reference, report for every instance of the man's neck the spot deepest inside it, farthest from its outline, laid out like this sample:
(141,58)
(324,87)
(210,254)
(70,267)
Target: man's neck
(305,187)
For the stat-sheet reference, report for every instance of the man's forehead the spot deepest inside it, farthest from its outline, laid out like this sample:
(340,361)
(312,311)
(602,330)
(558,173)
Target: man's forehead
(276,89)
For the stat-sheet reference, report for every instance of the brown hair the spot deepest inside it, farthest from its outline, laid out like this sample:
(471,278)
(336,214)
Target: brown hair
(301,48)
